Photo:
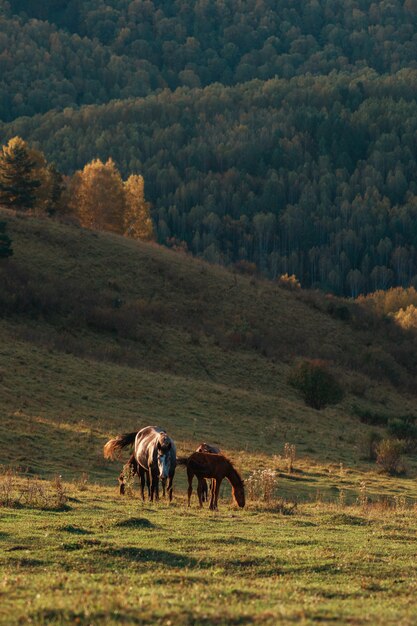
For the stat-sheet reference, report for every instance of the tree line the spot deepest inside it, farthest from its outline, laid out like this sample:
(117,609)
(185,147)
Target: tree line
(312,176)
(95,196)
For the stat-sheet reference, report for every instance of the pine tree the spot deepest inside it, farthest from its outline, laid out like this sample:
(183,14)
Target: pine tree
(137,219)
(18,178)
(57,186)
(5,242)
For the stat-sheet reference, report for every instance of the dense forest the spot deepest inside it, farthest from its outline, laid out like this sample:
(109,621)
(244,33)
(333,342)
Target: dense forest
(276,133)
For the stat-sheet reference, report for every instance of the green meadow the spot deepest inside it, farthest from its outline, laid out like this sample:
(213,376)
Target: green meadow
(101,335)
(108,560)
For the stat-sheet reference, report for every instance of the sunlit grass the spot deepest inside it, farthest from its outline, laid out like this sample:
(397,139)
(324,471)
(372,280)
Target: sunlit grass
(110,560)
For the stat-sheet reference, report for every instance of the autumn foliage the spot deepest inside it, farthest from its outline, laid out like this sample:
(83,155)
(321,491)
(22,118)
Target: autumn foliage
(95,196)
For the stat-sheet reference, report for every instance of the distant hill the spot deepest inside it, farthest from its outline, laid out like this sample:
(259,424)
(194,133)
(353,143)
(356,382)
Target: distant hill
(279,134)
(311,176)
(60,54)
(102,334)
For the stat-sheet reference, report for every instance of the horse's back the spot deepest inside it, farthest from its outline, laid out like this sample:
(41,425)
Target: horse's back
(208,464)
(207,447)
(146,442)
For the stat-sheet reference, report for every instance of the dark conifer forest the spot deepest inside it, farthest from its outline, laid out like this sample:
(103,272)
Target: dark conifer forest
(277,136)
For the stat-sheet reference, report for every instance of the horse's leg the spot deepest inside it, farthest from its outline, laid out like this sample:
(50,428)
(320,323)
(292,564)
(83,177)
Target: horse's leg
(214,493)
(163,482)
(170,481)
(153,478)
(148,483)
(213,486)
(121,480)
(141,473)
(200,491)
(204,490)
(190,484)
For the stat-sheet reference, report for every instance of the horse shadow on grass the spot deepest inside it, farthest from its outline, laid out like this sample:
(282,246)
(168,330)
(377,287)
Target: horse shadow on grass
(63,616)
(135,522)
(148,555)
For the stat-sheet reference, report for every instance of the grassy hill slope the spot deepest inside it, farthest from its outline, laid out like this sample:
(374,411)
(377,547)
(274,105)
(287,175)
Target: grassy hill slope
(102,334)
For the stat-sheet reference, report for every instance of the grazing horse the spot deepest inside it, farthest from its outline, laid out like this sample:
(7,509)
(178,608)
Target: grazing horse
(153,458)
(217,467)
(206,447)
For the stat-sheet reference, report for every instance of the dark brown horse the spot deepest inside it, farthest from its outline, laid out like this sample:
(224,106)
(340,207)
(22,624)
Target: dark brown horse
(217,467)
(153,458)
(206,447)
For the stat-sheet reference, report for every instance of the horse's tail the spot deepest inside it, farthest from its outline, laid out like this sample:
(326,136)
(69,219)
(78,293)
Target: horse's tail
(113,446)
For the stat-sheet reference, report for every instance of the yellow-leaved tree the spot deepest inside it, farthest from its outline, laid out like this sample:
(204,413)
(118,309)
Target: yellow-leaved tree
(98,198)
(137,218)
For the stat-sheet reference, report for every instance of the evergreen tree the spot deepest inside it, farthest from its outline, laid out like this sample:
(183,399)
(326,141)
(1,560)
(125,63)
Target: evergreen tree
(5,242)
(18,177)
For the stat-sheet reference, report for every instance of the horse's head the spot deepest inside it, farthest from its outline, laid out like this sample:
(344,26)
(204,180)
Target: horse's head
(239,495)
(164,450)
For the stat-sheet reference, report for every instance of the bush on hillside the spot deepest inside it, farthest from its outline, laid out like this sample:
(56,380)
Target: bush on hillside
(289,282)
(316,383)
(389,453)
(404,428)
(407,318)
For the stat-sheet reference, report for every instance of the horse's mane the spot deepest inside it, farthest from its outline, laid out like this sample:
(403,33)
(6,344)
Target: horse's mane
(238,478)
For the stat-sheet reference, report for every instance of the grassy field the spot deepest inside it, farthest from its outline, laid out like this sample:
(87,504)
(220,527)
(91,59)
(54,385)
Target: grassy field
(108,560)
(101,335)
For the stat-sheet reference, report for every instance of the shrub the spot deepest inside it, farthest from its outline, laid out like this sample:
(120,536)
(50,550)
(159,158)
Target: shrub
(245,267)
(373,441)
(370,417)
(261,485)
(289,282)
(403,427)
(18,489)
(389,456)
(407,318)
(316,383)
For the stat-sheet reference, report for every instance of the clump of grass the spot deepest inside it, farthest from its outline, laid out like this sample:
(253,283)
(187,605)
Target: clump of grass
(20,490)
(82,481)
(290,452)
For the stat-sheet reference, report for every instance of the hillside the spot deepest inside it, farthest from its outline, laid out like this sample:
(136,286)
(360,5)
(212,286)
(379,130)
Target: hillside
(101,334)
(279,134)
(313,176)
(71,53)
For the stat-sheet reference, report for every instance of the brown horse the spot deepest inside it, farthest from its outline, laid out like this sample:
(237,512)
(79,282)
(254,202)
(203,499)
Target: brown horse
(206,447)
(217,467)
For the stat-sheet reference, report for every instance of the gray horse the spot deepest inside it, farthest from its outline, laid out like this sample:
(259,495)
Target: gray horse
(154,454)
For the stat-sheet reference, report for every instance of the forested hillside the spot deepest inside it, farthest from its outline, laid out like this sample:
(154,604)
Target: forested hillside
(90,51)
(280,134)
